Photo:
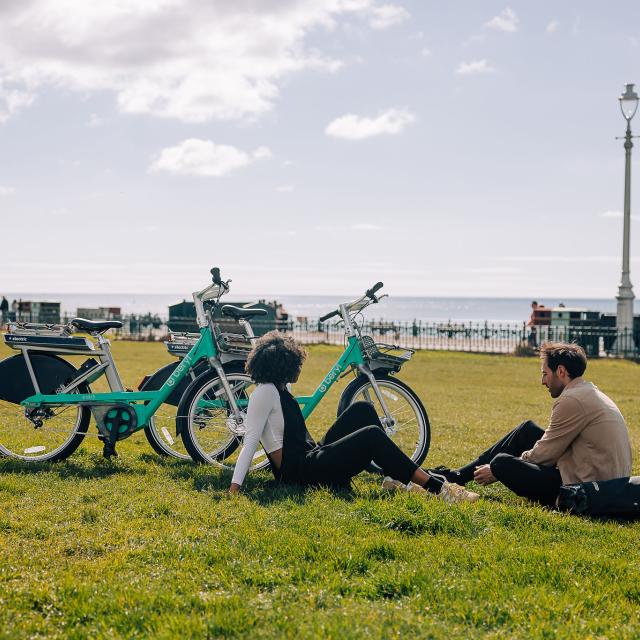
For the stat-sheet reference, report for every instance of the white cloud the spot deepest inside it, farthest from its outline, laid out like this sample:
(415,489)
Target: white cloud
(355,127)
(285,188)
(194,157)
(262,152)
(560,259)
(506,21)
(425,53)
(6,191)
(185,59)
(95,120)
(387,15)
(364,226)
(475,66)
(616,214)
(12,99)
(552,27)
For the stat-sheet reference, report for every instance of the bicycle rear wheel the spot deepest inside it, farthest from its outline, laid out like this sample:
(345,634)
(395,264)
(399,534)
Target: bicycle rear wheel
(52,434)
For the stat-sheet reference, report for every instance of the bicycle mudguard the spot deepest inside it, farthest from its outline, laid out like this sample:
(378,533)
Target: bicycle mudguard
(51,371)
(156,380)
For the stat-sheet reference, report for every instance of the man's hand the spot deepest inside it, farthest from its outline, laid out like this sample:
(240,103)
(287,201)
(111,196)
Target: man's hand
(482,475)
(234,488)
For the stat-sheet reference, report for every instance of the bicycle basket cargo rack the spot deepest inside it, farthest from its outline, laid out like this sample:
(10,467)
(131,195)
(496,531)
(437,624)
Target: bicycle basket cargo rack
(45,336)
(231,336)
(180,343)
(389,356)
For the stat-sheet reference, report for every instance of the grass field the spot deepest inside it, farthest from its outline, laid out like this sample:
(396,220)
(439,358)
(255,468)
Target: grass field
(145,547)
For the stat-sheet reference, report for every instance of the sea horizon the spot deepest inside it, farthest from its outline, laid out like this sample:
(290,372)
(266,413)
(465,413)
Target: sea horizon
(397,308)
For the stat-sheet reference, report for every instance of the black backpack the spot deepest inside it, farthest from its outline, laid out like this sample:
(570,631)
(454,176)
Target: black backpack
(613,498)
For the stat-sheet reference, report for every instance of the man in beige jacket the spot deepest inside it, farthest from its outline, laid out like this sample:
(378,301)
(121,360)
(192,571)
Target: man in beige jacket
(587,438)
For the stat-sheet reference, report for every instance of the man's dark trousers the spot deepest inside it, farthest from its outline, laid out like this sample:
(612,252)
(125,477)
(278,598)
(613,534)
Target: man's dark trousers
(534,481)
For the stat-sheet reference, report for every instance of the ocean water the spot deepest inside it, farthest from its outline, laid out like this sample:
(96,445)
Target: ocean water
(396,308)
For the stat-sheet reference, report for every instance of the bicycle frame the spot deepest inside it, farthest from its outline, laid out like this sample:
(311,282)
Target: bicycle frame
(144,403)
(352,357)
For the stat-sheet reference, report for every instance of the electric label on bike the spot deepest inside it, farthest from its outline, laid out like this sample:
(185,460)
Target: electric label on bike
(48,341)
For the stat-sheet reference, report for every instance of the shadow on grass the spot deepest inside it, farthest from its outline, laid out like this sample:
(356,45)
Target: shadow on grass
(258,488)
(94,469)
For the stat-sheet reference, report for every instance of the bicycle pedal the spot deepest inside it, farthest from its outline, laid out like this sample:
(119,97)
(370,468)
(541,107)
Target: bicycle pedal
(109,450)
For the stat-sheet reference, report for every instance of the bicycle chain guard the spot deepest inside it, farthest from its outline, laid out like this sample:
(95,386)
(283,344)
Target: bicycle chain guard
(115,421)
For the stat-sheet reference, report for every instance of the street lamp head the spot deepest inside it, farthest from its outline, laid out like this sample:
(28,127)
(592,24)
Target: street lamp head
(628,102)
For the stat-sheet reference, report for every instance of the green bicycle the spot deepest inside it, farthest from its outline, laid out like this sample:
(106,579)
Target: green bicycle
(212,433)
(46,403)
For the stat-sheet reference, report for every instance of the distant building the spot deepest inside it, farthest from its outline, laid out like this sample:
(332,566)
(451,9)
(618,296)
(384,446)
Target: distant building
(99,313)
(38,311)
(182,316)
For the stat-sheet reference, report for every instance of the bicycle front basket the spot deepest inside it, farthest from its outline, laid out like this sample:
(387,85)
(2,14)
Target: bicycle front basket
(386,355)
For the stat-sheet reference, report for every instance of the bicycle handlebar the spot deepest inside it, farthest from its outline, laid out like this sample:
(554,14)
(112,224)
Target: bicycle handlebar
(371,292)
(326,316)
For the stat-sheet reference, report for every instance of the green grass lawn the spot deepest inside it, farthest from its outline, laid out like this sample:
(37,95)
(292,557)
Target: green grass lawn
(146,547)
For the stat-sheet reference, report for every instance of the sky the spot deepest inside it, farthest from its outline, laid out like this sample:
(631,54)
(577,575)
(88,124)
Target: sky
(458,148)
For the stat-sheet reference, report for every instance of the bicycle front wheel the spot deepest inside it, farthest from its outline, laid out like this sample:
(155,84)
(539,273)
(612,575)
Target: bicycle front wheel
(208,426)
(49,434)
(409,427)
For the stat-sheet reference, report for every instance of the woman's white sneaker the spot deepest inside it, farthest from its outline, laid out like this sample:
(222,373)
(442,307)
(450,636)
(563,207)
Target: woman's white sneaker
(395,485)
(455,493)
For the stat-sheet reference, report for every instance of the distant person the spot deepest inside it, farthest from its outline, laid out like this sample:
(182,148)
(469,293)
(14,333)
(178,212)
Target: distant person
(14,310)
(274,419)
(586,440)
(532,324)
(4,310)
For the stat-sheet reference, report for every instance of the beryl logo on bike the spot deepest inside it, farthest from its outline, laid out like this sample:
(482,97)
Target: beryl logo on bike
(177,375)
(331,376)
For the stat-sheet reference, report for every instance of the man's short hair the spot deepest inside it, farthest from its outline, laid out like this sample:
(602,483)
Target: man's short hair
(570,355)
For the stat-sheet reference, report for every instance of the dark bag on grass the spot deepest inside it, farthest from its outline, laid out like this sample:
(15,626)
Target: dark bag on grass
(615,498)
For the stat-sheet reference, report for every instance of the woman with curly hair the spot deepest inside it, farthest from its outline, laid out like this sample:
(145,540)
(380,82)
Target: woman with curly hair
(356,438)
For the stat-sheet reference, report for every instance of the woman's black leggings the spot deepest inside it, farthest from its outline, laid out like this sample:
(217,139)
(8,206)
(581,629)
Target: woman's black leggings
(351,444)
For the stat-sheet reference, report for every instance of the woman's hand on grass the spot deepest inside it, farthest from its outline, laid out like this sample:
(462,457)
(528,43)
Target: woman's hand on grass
(234,488)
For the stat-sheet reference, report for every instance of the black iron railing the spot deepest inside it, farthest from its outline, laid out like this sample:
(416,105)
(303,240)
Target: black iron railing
(480,337)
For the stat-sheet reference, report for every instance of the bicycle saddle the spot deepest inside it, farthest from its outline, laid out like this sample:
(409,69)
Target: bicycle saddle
(238,312)
(95,325)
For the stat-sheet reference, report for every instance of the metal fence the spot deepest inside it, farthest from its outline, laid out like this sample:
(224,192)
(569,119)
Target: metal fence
(479,337)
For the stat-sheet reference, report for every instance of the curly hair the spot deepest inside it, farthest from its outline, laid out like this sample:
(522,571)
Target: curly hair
(275,358)
(568,354)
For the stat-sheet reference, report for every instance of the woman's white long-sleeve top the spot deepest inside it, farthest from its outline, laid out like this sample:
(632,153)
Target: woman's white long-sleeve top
(264,424)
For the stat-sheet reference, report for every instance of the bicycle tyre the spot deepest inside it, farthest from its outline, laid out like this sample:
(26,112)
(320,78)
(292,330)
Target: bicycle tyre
(163,421)
(28,451)
(207,433)
(403,403)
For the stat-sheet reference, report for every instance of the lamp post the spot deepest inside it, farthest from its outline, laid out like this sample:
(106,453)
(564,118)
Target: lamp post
(625,297)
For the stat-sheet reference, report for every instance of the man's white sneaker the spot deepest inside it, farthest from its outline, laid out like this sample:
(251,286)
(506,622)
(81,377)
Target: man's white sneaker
(455,493)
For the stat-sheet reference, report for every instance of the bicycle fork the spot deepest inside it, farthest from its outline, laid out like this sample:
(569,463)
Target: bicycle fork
(388,422)
(237,414)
